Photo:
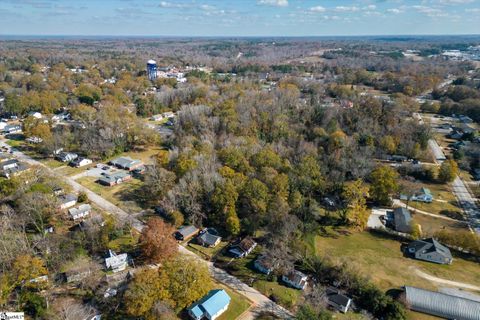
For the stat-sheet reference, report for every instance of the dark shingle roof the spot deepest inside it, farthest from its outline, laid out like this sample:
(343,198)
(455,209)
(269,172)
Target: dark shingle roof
(402,219)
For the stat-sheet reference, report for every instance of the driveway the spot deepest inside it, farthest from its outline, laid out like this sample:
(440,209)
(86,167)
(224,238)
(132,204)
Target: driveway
(374,221)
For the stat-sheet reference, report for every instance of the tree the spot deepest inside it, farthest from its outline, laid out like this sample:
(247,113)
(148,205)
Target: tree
(383,184)
(144,290)
(189,280)
(448,171)
(157,242)
(355,195)
(26,268)
(157,182)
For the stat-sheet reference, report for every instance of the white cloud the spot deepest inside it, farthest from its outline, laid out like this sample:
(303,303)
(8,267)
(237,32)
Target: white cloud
(207,7)
(370,7)
(456,1)
(346,9)
(166,4)
(274,3)
(394,10)
(473,10)
(318,9)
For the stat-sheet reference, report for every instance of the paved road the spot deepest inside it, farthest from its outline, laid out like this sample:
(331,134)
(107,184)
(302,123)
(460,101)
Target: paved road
(467,202)
(437,151)
(260,302)
(459,189)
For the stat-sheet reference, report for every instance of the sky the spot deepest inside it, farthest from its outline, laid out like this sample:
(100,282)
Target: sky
(239,17)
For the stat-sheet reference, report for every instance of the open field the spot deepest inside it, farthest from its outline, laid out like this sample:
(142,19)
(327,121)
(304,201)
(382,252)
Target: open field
(144,155)
(382,259)
(121,195)
(430,225)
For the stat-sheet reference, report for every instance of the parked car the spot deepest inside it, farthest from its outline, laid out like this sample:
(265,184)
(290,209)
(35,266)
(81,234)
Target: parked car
(106,168)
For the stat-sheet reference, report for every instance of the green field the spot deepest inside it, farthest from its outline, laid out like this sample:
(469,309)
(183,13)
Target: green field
(122,195)
(381,259)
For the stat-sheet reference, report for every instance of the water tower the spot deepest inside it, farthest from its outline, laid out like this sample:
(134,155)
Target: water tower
(152,69)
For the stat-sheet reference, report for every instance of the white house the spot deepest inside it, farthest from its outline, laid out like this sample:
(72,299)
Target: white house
(295,279)
(36,115)
(80,162)
(116,262)
(67,201)
(81,212)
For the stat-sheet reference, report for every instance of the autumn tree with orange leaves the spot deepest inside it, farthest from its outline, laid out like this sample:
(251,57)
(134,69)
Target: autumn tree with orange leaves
(157,241)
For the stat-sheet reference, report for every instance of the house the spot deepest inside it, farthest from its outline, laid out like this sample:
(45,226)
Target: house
(35,114)
(424,195)
(3,125)
(399,220)
(116,262)
(211,306)
(429,250)
(465,119)
(337,300)
(455,134)
(295,279)
(66,156)
(208,240)
(9,164)
(114,178)
(81,212)
(80,162)
(242,248)
(186,233)
(441,305)
(34,140)
(12,128)
(126,163)
(77,275)
(67,201)
(263,264)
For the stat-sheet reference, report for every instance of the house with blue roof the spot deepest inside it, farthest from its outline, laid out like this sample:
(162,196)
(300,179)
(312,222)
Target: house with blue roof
(211,306)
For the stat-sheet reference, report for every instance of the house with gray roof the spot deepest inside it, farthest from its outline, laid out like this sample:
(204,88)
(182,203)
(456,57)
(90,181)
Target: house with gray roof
(337,300)
(429,250)
(81,212)
(423,195)
(399,220)
(67,200)
(208,240)
(264,264)
(126,163)
(441,305)
(186,233)
(114,178)
(116,262)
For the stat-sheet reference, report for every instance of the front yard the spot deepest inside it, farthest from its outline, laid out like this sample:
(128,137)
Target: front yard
(121,195)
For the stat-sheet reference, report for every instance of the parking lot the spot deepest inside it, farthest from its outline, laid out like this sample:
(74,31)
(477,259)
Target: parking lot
(97,171)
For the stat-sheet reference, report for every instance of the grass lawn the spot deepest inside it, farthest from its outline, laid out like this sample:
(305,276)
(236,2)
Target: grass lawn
(444,199)
(268,285)
(71,171)
(207,253)
(122,195)
(145,155)
(15,143)
(430,225)
(382,260)
(52,163)
(125,243)
(238,305)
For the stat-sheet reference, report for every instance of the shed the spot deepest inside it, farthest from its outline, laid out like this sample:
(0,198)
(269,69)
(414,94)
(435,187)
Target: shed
(210,306)
(186,233)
